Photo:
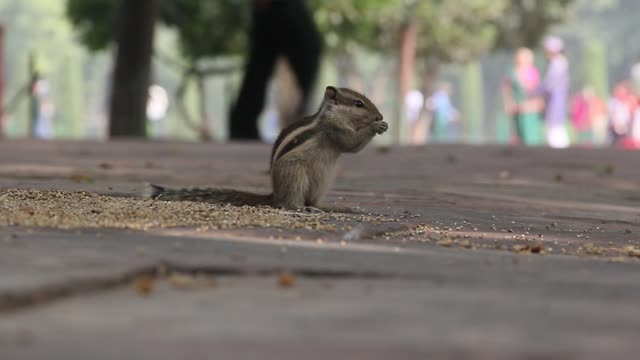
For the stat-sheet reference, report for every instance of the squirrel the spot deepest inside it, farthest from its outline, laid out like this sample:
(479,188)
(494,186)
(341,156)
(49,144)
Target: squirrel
(304,156)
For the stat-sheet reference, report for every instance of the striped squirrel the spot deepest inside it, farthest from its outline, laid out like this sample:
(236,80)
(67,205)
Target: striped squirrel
(304,156)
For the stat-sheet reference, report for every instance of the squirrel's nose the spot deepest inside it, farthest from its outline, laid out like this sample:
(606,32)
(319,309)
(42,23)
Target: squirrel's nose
(379,117)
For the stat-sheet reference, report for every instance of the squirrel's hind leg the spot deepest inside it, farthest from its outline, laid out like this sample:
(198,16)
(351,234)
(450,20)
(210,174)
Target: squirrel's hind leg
(290,184)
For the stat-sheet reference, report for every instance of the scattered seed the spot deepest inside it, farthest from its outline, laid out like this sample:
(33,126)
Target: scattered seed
(144,285)
(286,280)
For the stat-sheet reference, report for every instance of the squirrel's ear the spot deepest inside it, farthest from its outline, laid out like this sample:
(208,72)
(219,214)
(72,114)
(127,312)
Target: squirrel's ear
(331,93)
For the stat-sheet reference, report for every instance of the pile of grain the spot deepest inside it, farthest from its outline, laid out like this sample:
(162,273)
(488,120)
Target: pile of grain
(73,210)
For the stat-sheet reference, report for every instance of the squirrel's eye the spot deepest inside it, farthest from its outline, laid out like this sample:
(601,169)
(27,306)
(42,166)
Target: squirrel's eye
(359,103)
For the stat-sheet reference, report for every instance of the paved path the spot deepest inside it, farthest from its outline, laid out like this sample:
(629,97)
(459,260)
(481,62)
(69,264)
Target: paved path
(493,253)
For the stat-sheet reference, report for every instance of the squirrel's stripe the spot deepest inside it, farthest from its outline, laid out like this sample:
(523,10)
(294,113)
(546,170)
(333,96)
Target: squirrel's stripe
(289,133)
(294,130)
(299,139)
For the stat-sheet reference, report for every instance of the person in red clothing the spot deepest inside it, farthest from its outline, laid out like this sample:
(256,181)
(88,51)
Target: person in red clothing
(581,115)
(622,107)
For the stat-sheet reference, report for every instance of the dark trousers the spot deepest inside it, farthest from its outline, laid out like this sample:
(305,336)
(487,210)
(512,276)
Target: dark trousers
(280,28)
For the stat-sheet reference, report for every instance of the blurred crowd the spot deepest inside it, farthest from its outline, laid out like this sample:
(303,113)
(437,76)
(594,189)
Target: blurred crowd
(543,112)
(540,108)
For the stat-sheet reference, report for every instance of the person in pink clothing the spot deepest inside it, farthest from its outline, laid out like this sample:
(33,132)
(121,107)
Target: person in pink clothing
(581,115)
(528,72)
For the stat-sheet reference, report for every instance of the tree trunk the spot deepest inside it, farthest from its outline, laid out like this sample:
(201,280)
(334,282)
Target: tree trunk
(472,124)
(205,133)
(34,76)
(130,84)
(406,64)
(428,78)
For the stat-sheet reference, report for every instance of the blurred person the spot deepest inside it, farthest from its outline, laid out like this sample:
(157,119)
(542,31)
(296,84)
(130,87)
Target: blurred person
(444,114)
(3,121)
(555,90)
(519,103)
(581,115)
(45,109)
(635,86)
(635,77)
(157,103)
(157,106)
(635,127)
(414,103)
(270,122)
(622,107)
(279,28)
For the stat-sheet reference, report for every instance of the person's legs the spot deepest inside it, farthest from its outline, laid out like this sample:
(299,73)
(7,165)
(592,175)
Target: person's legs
(262,56)
(280,27)
(540,130)
(527,129)
(557,136)
(517,126)
(437,127)
(303,46)
(532,129)
(583,136)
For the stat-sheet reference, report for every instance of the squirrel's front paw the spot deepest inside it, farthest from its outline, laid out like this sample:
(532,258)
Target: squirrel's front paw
(379,126)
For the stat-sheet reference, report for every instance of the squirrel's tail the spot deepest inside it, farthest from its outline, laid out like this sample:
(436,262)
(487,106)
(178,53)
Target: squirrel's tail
(209,195)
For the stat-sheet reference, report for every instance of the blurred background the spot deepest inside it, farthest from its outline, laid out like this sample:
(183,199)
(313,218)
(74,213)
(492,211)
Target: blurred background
(538,73)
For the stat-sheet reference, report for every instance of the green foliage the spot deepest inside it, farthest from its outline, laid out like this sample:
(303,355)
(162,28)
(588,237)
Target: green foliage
(350,24)
(94,21)
(614,23)
(456,30)
(448,30)
(607,20)
(205,28)
(525,22)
